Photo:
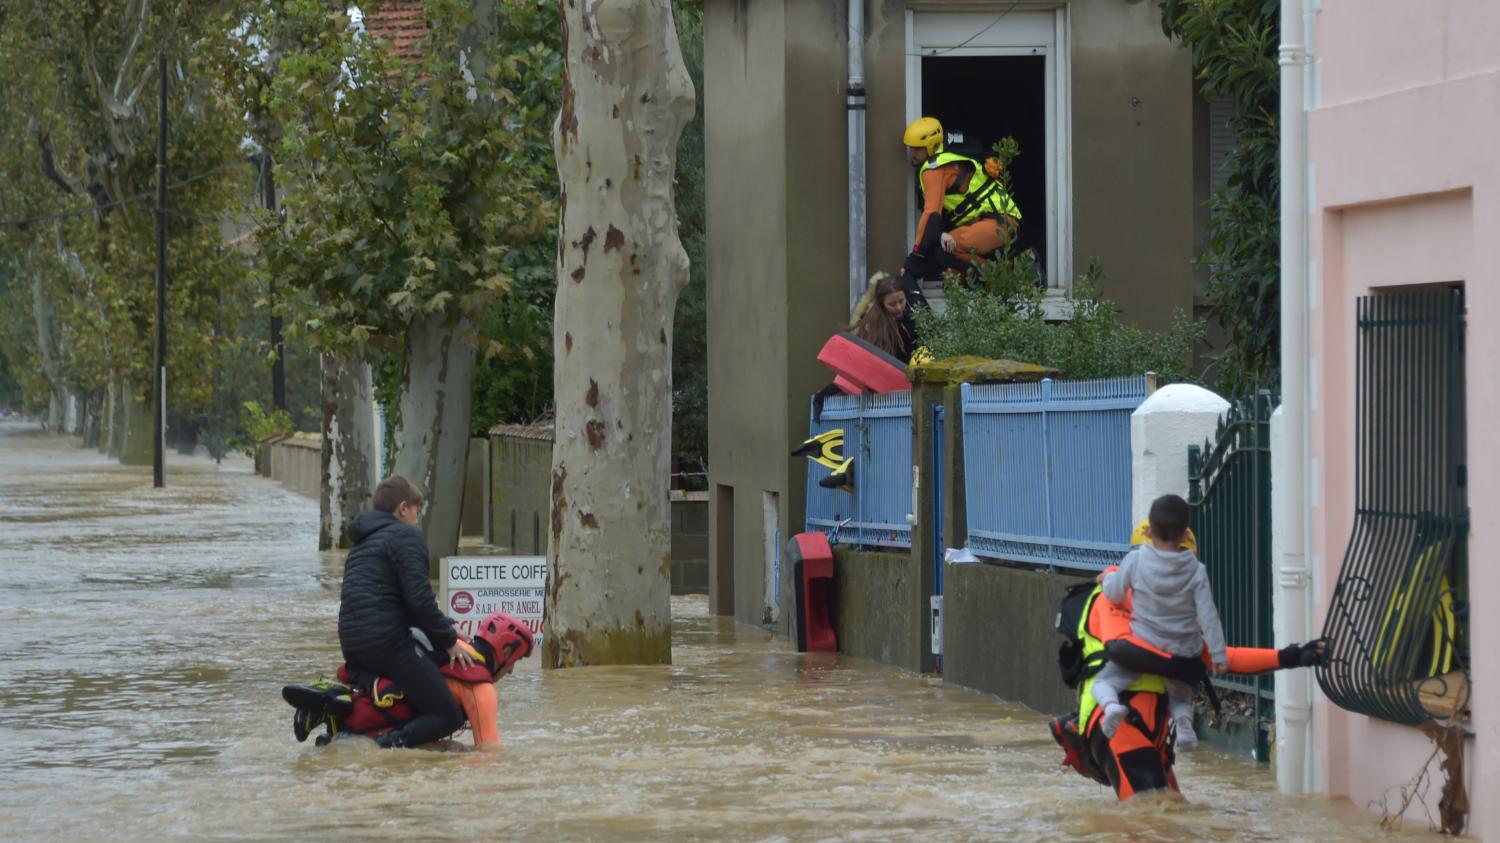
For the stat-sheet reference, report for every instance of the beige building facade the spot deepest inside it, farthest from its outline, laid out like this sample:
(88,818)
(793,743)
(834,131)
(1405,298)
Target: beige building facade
(1114,165)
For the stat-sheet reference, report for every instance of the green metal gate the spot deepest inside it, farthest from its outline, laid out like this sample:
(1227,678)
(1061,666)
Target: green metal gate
(1229,488)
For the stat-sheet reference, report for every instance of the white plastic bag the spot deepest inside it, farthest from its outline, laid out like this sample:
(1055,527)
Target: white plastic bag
(959,555)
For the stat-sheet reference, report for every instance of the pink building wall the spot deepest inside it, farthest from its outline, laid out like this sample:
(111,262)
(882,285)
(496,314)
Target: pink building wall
(1404,189)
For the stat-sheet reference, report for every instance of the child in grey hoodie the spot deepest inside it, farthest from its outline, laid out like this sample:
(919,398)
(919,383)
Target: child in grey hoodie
(1172,610)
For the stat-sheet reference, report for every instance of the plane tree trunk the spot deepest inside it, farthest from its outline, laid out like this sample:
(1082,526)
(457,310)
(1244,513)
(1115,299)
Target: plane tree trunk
(350,454)
(432,439)
(626,98)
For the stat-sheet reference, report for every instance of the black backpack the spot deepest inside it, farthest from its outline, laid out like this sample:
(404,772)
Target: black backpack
(1070,659)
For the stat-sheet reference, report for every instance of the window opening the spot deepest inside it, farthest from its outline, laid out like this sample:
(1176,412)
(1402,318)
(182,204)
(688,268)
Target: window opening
(721,598)
(771,543)
(997,76)
(981,99)
(1398,616)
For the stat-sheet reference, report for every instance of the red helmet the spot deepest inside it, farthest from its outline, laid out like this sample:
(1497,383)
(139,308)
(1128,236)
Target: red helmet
(509,639)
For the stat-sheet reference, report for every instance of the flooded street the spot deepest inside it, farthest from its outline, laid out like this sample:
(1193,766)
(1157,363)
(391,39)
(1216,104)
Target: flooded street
(147,633)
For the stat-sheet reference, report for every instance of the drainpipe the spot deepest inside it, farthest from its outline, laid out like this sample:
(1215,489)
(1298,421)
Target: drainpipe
(1290,615)
(856,108)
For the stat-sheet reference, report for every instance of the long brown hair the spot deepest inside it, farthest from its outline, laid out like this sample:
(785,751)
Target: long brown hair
(874,325)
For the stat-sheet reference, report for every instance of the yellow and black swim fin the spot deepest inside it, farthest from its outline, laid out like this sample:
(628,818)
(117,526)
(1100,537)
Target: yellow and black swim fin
(841,478)
(825,449)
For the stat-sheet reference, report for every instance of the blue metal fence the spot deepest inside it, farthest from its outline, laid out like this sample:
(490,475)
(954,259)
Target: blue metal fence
(1047,470)
(877,434)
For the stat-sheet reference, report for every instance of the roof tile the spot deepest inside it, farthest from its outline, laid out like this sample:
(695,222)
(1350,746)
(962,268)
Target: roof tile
(401,22)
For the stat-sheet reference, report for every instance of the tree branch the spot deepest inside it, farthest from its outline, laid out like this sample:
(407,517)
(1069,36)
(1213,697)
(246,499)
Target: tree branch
(49,166)
(135,43)
(139,86)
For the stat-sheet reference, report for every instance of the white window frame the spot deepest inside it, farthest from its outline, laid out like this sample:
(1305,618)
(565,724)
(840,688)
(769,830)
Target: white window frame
(1028,32)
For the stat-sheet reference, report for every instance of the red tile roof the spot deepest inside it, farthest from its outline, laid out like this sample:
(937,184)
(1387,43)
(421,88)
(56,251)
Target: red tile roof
(401,22)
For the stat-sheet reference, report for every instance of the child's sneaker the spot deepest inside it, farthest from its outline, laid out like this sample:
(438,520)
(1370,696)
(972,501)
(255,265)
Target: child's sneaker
(1187,739)
(1113,714)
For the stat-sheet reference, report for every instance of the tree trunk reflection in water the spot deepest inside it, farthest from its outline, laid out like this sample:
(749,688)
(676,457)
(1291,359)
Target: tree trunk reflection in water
(148,632)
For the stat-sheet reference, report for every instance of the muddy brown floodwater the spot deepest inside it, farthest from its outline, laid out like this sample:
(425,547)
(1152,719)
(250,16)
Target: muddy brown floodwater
(146,634)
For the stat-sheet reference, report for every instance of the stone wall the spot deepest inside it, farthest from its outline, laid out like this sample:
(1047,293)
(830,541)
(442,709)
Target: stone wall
(519,505)
(998,634)
(877,610)
(294,461)
(520,492)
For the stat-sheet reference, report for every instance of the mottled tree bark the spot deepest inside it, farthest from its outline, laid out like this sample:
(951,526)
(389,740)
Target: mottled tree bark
(92,405)
(626,98)
(136,447)
(44,312)
(119,396)
(350,454)
(432,437)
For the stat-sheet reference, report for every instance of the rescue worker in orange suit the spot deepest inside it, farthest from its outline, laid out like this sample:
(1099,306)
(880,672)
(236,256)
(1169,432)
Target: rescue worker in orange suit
(966,214)
(1139,757)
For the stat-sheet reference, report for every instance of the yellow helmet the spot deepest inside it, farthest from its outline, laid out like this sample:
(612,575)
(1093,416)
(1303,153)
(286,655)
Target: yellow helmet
(925,132)
(1140,536)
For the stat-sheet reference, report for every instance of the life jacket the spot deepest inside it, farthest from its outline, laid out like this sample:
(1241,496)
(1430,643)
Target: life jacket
(379,704)
(1093,655)
(479,671)
(1086,649)
(978,195)
(1073,662)
(1136,759)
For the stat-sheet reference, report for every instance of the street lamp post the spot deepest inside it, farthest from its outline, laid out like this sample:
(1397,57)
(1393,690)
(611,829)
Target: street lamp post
(160,427)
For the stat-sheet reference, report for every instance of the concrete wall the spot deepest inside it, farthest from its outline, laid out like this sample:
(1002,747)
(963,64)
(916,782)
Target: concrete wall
(874,593)
(774,81)
(745,74)
(519,502)
(473,520)
(1417,84)
(520,493)
(1133,158)
(295,462)
(998,634)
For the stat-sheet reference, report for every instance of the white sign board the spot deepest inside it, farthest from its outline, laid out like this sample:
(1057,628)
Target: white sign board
(474,586)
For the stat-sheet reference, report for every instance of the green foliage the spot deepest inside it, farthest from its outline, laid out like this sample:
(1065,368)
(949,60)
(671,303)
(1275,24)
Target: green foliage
(1007,149)
(513,382)
(417,186)
(405,197)
(1003,317)
(78,137)
(11,395)
(690,320)
(1234,45)
(256,424)
(21,383)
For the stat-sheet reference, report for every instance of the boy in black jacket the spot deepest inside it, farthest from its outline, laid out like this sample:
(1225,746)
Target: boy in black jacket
(386,593)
